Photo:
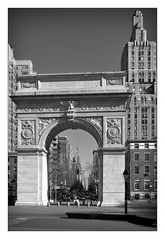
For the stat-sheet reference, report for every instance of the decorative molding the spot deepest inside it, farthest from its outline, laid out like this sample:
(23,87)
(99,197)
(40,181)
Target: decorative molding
(113,105)
(27,132)
(44,122)
(114,82)
(28,84)
(114,131)
(97,122)
(71,105)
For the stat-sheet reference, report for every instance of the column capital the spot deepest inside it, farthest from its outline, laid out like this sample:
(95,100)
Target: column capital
(112,149)
(31,150)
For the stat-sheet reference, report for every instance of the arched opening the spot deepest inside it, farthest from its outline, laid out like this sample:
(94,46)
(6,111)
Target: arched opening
(69,177)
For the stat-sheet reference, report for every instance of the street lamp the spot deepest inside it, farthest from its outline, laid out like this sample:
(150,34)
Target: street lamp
(150,188)
(126,177)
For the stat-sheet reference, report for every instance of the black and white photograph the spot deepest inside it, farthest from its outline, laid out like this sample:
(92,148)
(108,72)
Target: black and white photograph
(82,119)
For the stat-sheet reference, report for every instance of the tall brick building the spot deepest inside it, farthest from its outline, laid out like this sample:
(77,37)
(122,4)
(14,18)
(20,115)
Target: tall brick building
(139,62)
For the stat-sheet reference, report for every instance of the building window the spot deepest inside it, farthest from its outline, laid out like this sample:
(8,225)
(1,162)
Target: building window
(155,184)
(136,170)
(135,133)
(141,58)
(134,100)
(136,146)
(146,146)
(146,157)
(146,184)
(155,170)
(136,157)
(155,157)
(137,196)
(144,109)
(141,53)
(136,185)
(146,170)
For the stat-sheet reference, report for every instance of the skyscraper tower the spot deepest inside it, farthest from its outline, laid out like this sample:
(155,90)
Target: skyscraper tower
(78,164)
(139,62)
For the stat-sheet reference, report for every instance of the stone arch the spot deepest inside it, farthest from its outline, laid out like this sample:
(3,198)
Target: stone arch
(55,126)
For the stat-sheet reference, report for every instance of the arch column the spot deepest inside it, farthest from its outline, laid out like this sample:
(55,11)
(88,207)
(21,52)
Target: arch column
(112,160)
(32,180)
(112,185)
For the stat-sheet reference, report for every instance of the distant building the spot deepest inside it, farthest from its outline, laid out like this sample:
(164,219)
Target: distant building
(96,165)
(24,67)
(78,165)
(15,69)
(12,180)
(61,166)
(139,62)
(12,121)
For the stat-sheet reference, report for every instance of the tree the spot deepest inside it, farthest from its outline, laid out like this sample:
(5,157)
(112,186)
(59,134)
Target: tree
(92,188)
(77,187)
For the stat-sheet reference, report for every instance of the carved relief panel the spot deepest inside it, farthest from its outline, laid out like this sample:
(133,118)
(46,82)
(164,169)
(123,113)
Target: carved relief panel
(97,122)
(28,132)
(114,131)
(44,123)
(28,85)
(71,105)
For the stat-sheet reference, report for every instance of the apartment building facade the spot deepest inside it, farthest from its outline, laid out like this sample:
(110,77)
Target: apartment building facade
(139,62)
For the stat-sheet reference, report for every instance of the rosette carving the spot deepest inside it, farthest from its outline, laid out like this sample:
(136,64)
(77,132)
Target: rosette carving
(27,132)
(114,135)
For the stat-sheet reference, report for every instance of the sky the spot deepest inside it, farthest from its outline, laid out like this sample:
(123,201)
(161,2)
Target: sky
(74,40)
(85,143)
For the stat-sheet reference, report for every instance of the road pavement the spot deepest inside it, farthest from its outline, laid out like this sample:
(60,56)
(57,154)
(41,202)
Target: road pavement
(54,218)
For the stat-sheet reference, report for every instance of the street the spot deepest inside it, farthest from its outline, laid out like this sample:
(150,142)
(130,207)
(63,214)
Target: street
(54,218)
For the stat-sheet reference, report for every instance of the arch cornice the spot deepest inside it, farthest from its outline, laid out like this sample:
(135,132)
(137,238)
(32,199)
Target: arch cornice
(50,127)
